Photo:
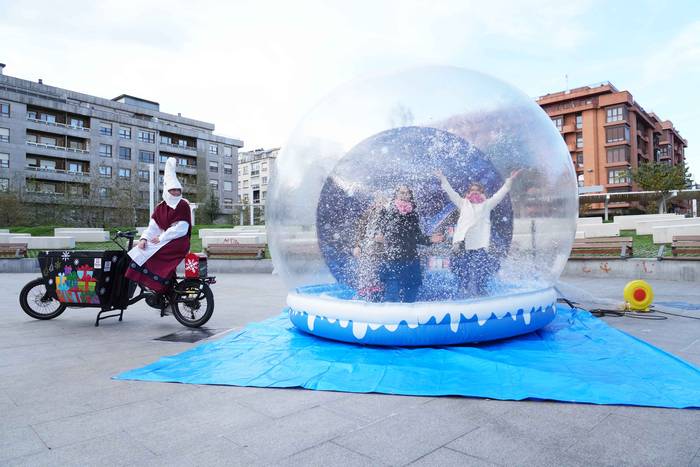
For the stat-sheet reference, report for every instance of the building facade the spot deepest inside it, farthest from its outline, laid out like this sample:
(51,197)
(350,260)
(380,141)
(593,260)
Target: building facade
(609,134)
(67,148)
(255,169)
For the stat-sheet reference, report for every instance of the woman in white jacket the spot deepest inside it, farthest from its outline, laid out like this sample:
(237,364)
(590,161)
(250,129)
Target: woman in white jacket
(472,235)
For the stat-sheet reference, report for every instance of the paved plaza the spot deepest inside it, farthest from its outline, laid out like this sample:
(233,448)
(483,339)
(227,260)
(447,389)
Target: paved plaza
(58,405)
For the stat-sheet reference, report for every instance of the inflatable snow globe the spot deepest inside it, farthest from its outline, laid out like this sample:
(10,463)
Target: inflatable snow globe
(428,207)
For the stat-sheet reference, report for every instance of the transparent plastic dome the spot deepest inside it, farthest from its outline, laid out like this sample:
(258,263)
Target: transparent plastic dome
(331,214)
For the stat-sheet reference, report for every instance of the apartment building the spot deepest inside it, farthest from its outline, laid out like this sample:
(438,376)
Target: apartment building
(62,147)
(608,134)
(255,169)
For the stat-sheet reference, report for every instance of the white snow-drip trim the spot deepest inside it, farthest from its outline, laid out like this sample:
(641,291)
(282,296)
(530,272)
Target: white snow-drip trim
(415,314)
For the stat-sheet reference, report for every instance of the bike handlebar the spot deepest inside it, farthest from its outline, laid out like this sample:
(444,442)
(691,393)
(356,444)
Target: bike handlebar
(126,234)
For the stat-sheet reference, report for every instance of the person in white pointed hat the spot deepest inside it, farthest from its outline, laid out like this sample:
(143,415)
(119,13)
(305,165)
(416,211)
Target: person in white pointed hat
(166,240)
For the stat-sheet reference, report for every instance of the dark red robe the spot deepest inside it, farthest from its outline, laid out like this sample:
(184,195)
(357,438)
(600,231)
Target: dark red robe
(158,271)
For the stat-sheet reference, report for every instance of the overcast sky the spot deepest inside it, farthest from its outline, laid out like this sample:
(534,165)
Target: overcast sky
(255,67)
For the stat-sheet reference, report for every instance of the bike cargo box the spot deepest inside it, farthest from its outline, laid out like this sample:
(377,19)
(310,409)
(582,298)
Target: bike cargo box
(83,278)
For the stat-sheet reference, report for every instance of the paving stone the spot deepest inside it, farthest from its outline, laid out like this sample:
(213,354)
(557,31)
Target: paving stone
(620,440)
(445,457)
(285,436)
(325,454)
(412,434)
(372,407)
(282,402)
(18,442)
(209,451)
(115,449)
(102,422)
(55,376)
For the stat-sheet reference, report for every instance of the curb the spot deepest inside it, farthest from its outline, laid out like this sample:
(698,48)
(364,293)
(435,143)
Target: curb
(222,266)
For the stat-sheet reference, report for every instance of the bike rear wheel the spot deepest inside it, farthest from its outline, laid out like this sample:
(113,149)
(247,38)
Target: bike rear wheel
(192,303)
(35,301)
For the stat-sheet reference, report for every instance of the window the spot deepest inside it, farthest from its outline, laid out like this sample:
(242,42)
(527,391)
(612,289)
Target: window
(104,192)
(579,121)
(228,169)
(245,170)
(147,156)
(578,157)
(228,203)
(264,180)
(105,171)
(263,166)
(143,175)
(618,133)
(147,136)
(579,180)
(616,114)
(182,143)
(245,183)
(618,154)
(213,166)
(47,165)
(618,176)
(31,115)
(75,167)
(124,173)
(165,139)
(245,198)
(4,184)
(213,149)
(254,169)
(182,162)
(4,109)
(48,118)
(75,190)
(228,185)
(4,135)
(163,158)
(105,150)
(105,129)
(76,122)
(4,160)
(228,151)
(214,184)
(558,122)
(665,150)
(579,140)
(124,154)
(124,133)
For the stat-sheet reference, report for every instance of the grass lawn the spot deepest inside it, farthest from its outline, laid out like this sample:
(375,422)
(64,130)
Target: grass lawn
(643,245)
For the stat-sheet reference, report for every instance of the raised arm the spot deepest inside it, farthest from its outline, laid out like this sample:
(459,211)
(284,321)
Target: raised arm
(447,188)
(493,201)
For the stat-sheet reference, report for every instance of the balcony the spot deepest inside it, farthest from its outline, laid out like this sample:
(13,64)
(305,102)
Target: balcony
(58,148)
(58,124)
(568,129)
(178,148)
(45,173)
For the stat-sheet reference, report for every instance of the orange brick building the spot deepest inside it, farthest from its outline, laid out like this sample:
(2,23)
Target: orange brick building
(608,134)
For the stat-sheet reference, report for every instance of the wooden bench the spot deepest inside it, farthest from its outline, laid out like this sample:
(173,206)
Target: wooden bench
(13,250)
(236,250)
(686,244)
(602,247)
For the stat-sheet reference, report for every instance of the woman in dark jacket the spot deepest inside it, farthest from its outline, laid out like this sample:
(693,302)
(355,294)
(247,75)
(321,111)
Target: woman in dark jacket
(399,231)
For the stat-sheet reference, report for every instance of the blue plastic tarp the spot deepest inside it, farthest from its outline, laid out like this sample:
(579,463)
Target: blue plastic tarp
(576,358)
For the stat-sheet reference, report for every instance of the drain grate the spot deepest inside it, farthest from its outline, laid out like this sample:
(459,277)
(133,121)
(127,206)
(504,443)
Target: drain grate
(191,335)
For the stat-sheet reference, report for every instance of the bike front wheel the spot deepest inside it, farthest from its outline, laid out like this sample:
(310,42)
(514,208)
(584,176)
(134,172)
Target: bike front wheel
(35,301)
(192,303)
